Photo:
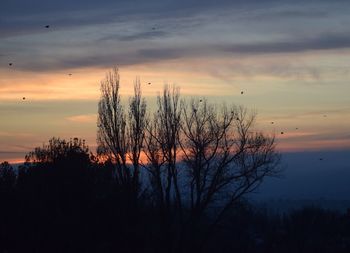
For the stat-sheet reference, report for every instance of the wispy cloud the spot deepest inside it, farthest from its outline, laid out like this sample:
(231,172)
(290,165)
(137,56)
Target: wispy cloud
(85,118)
(139,53)
(136,36)
(321,42)
(15,134)
(307,114)
(101,34)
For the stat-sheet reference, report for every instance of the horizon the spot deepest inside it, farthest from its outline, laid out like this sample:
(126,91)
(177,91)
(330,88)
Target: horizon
(18,157)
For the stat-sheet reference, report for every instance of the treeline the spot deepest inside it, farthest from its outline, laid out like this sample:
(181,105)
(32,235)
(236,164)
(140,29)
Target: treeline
(169,181)
(72,203)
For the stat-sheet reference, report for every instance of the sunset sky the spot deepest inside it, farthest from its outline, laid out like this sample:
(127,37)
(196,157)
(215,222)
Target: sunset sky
(291,58)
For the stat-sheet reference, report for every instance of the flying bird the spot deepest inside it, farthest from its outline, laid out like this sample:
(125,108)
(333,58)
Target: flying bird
(242,92)
(47,26)
(24,98)
(200,100)
(70,74)
(282,132)
(149,83)
(10,64)
(272,122)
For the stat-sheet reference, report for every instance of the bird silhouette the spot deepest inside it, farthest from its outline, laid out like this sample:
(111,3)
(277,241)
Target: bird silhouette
(282,132)
(321,159)
(200,100)
(47,26)
(272,122)
(149,83)
(242,92)
(10,64)
(70,74)
(24,98)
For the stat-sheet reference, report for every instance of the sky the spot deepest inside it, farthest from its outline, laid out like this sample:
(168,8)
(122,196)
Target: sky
(290,57)
(307,177)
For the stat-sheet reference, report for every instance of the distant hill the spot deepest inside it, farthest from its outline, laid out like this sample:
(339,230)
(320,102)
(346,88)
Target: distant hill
(309,178)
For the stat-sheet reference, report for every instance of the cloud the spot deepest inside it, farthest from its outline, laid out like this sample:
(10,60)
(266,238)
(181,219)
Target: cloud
(91,34)
(321,42)
(33,15)
(314,136)
(136,36)
(142,55)
(291,12)
(104,59)
(314,114)
(15,134)
(163,53)
(4,152)
(85,118)
(22,17)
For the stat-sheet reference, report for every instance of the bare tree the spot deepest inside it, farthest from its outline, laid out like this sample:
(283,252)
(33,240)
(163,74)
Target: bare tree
(198,155)
(136,130)
(120,135)
(154,165)
(162,148)
(111,135)
(223,155)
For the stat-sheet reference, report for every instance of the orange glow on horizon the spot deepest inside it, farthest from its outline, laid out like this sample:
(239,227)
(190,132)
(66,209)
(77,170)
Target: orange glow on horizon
(313,145)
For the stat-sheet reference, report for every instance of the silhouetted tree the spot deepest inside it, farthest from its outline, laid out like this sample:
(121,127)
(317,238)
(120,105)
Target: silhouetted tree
(162,149)
(66,163)
(55,186)
(120,136)
(198,155)
(112,133)
(136,126)
(7,205)
(224,157)
(7,177)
